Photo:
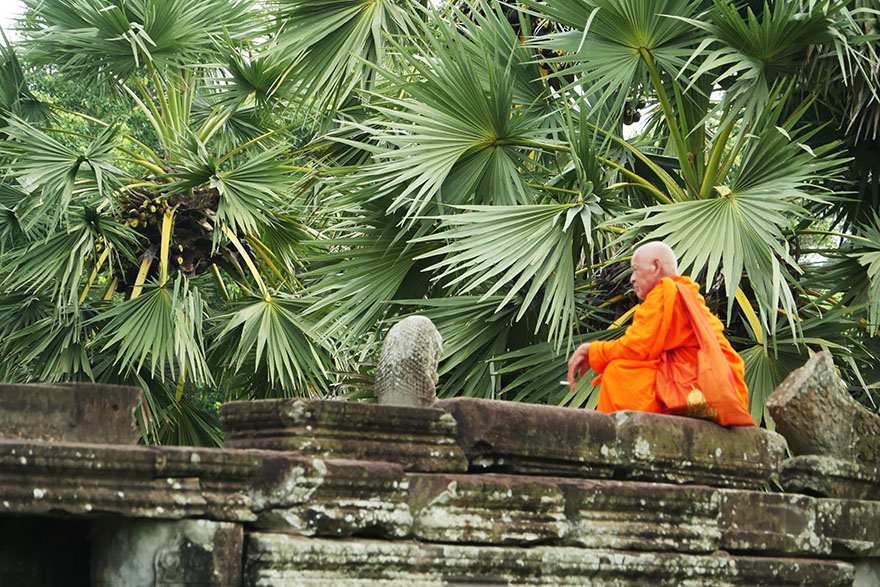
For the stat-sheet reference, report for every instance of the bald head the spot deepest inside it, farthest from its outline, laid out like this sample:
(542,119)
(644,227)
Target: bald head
(651,262)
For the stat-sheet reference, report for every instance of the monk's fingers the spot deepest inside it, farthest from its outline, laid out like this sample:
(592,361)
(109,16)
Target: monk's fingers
(572,371)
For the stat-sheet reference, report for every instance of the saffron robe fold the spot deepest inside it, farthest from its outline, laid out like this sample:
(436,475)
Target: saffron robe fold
(628,365)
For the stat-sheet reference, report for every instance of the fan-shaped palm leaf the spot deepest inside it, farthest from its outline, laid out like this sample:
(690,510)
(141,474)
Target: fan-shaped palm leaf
(107,41)
(740,227)
(269,333)
(329,42)
(162,325)
(525,250)
(56,263)
(45,162)
(456,137)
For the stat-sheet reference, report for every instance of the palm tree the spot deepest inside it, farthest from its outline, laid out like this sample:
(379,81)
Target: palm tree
(170,266)
(322,170)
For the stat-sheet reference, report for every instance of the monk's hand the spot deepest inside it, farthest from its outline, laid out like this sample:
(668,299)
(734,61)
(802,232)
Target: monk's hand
(579,361)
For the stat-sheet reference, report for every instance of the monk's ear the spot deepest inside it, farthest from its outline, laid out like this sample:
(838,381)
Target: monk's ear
(657,266)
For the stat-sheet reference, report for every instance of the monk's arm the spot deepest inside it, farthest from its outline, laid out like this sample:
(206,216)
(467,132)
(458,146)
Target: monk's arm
(638,339)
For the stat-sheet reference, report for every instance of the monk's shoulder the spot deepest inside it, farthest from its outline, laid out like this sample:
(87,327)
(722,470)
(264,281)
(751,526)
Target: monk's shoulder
(663,292)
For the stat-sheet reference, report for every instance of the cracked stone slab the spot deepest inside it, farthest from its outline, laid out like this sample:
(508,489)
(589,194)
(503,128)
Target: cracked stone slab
(674,449)
(629,515)
(487,508)
(283,560)
(339,498)
(853,526)
(829,477)
(533,439)
(771,523)
(135,481)
(419,439)
(70,412)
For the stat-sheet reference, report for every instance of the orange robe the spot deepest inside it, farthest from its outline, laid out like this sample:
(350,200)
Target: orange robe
(628,365)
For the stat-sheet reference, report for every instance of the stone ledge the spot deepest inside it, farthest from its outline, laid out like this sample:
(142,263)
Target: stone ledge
(135,481)
(654,447)
(829,477)
(281,560)
(74,412)
(771,523)
(488,509)
(337,498)
(419,439)
(629,515)
(512,437)
(852,526)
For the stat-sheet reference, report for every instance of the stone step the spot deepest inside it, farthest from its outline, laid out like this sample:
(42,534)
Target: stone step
(283,560)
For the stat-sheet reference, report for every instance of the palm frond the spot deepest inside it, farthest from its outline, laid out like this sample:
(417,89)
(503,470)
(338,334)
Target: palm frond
(51,168)
(162,326)
(518,250)
(269,335)
(329,42)
(109,42)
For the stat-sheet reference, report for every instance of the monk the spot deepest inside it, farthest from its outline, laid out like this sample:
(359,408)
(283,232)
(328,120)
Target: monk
(628,365)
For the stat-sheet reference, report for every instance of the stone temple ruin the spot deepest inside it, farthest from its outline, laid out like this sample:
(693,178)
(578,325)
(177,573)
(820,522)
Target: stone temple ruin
(462,492)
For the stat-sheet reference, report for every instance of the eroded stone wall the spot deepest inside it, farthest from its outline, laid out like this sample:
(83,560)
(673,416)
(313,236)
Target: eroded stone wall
(464,492)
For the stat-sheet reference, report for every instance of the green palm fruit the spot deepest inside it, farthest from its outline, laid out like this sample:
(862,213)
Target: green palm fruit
(180,260)
(134,223)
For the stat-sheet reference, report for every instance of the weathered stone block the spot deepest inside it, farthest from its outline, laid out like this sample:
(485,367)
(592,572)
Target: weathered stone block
(148,553)
(313,497)
(655,447)
(136,481)
(772,523)
(642,516)
(853,526)
(76,412)
(812,409)
(282,560)
(829,477)
(489,509)
(533,439)
(419,439)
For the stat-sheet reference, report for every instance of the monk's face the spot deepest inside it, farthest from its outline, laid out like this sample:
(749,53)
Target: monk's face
(646,273)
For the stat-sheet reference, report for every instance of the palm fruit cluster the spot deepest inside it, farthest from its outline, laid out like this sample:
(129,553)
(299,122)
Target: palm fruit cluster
(148,213)
(631,114)
(191,249)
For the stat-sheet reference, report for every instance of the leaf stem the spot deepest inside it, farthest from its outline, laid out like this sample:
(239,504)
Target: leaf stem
(674,132)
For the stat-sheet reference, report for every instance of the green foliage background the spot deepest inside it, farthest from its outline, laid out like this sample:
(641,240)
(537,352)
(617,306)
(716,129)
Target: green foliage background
(222,199)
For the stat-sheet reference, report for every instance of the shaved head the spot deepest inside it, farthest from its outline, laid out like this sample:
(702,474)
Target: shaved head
(652,262)
(664,255)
